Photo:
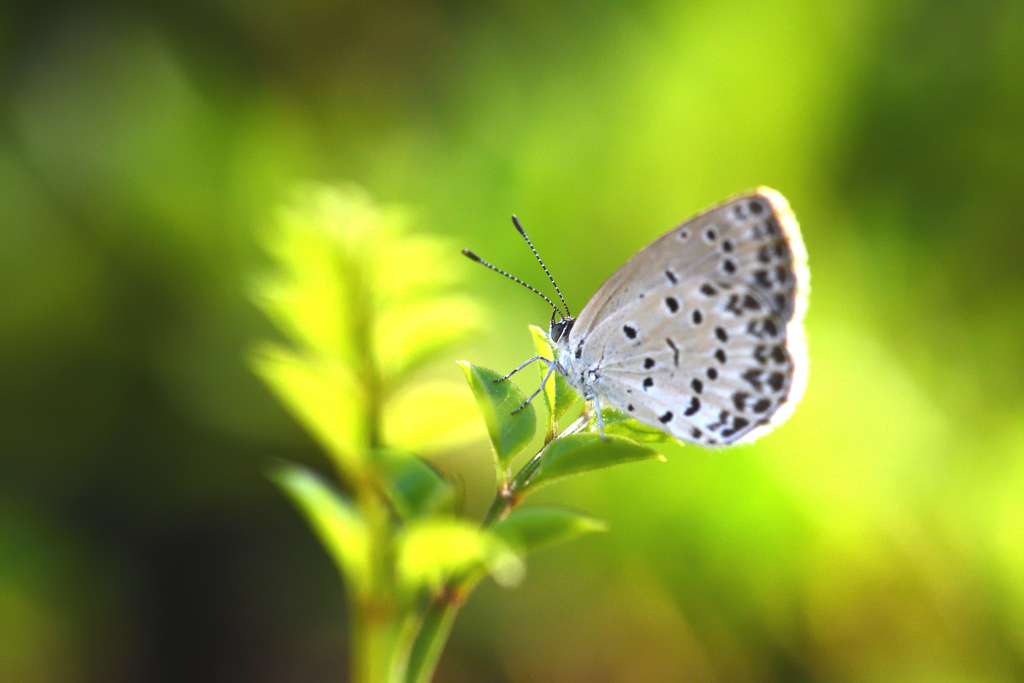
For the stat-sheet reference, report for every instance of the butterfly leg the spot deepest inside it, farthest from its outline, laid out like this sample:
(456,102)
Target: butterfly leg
(600,420)
(523,365)
(547,375)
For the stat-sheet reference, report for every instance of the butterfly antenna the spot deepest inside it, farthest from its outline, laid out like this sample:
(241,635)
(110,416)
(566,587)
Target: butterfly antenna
(515,221)
(470,255)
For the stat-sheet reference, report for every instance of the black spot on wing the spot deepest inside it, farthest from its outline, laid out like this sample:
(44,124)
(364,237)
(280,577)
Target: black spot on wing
(739,399)
(693,408)
(753,378)
(675,351)
(761,354)
(737,425)
(779,355)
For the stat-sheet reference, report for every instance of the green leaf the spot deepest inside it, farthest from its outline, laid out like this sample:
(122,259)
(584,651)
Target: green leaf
(414,487)
(433,552)
(496,400)
(618,422)
(310,296)
(557,392)
(414,267)
(431,416)
(532,528)
(324,396)
(337,523)
(576,454)
(407,335)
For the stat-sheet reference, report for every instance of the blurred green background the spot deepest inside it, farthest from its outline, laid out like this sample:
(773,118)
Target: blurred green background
(879,536)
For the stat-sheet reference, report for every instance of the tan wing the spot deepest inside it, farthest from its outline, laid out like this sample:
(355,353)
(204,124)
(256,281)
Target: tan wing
(701,332)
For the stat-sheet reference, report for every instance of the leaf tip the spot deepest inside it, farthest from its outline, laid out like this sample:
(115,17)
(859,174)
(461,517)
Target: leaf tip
(508,571)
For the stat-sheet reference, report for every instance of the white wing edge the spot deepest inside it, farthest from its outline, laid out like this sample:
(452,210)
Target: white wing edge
(796,339)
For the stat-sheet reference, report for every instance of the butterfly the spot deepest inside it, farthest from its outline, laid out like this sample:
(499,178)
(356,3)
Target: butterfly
(700,334)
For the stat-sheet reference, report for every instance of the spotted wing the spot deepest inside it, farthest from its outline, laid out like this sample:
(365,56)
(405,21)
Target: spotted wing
(701,332)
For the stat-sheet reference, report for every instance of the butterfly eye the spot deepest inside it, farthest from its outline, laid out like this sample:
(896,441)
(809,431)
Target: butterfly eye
(560,328)
(556,331)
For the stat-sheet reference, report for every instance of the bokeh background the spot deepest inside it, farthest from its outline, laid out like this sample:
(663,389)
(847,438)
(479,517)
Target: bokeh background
(879,536)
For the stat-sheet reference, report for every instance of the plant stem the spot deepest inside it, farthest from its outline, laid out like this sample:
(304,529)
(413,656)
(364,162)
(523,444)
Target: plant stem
(372,643)
(437,626)
(440,615)
(375,616)
(502,505)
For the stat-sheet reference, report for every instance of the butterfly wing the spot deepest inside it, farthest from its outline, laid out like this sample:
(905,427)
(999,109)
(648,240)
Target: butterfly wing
(701,332)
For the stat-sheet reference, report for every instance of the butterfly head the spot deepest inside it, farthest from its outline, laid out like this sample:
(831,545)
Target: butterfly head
(560,329)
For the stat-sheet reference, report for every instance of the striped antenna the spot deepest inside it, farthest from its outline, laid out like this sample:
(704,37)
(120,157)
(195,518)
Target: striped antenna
(470,255)
(515,221)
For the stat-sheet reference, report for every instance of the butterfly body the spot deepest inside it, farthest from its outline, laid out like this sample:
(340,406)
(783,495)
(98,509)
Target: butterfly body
(700,334)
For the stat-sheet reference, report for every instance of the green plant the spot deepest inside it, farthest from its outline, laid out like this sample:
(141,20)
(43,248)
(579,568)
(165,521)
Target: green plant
(364,305)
